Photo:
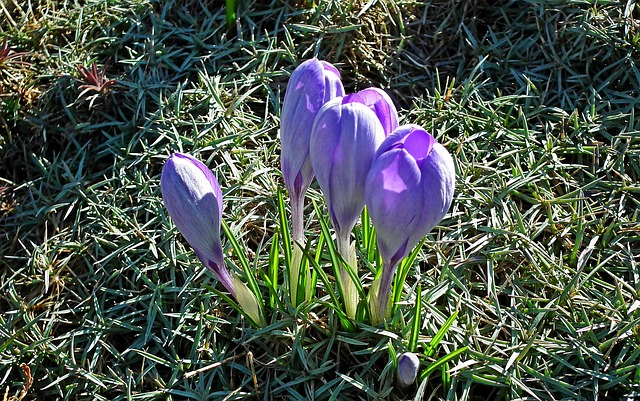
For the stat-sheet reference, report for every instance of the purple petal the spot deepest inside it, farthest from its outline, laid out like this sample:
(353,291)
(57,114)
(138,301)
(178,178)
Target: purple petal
(418,143)
(408,365)
(193,199)
(332,83)
(380,102)
(311,85)
(325,139)
(398,137)
(403,213)
(393,196)
(217,192)
(438,181)
(343,143)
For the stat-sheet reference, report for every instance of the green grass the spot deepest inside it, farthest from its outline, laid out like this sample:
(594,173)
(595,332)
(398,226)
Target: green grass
(537,101)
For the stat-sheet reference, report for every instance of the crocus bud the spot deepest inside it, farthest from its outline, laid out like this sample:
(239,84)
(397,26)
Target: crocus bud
(193,199)
(408,365)
(311,85)
(383,106)
(345,137)
(346,134)
(409,190)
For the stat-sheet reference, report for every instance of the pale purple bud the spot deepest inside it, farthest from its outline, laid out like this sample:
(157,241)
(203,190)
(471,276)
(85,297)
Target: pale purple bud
(408,365)
(193,199)
(409,190)
(383,106)
(345,137)
(311,85)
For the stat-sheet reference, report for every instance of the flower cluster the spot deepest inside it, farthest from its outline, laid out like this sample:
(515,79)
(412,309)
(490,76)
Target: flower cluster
(359,154)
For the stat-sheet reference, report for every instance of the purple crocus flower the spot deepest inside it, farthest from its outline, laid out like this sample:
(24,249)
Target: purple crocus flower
(409,190)
(346,135)
(193,199)
(311,85)
(408,365)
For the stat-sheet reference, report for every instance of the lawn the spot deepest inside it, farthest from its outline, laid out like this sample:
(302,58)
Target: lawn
(537,261)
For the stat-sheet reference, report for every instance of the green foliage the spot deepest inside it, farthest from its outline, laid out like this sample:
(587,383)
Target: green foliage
(101,298)
(230,11)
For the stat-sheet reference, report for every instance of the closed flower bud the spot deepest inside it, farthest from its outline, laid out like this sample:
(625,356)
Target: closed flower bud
(193,199)
(346,134)
(311,85)
(409,190)
(408,365)
(345,137)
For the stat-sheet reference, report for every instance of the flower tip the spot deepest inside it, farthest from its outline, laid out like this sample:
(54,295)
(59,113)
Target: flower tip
(380,102)
(327,66)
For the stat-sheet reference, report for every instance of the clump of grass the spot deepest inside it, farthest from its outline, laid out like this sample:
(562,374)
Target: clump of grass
(94,82)
(536,101)
(8,55)
(15,88)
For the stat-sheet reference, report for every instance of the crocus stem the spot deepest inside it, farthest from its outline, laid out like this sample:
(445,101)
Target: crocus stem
(297,236)
(349,289)
(297,215)
(381,293)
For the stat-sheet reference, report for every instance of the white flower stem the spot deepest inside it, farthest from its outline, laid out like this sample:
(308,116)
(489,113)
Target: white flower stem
(297,237)
(297,218)
(381,293)
(349,288)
